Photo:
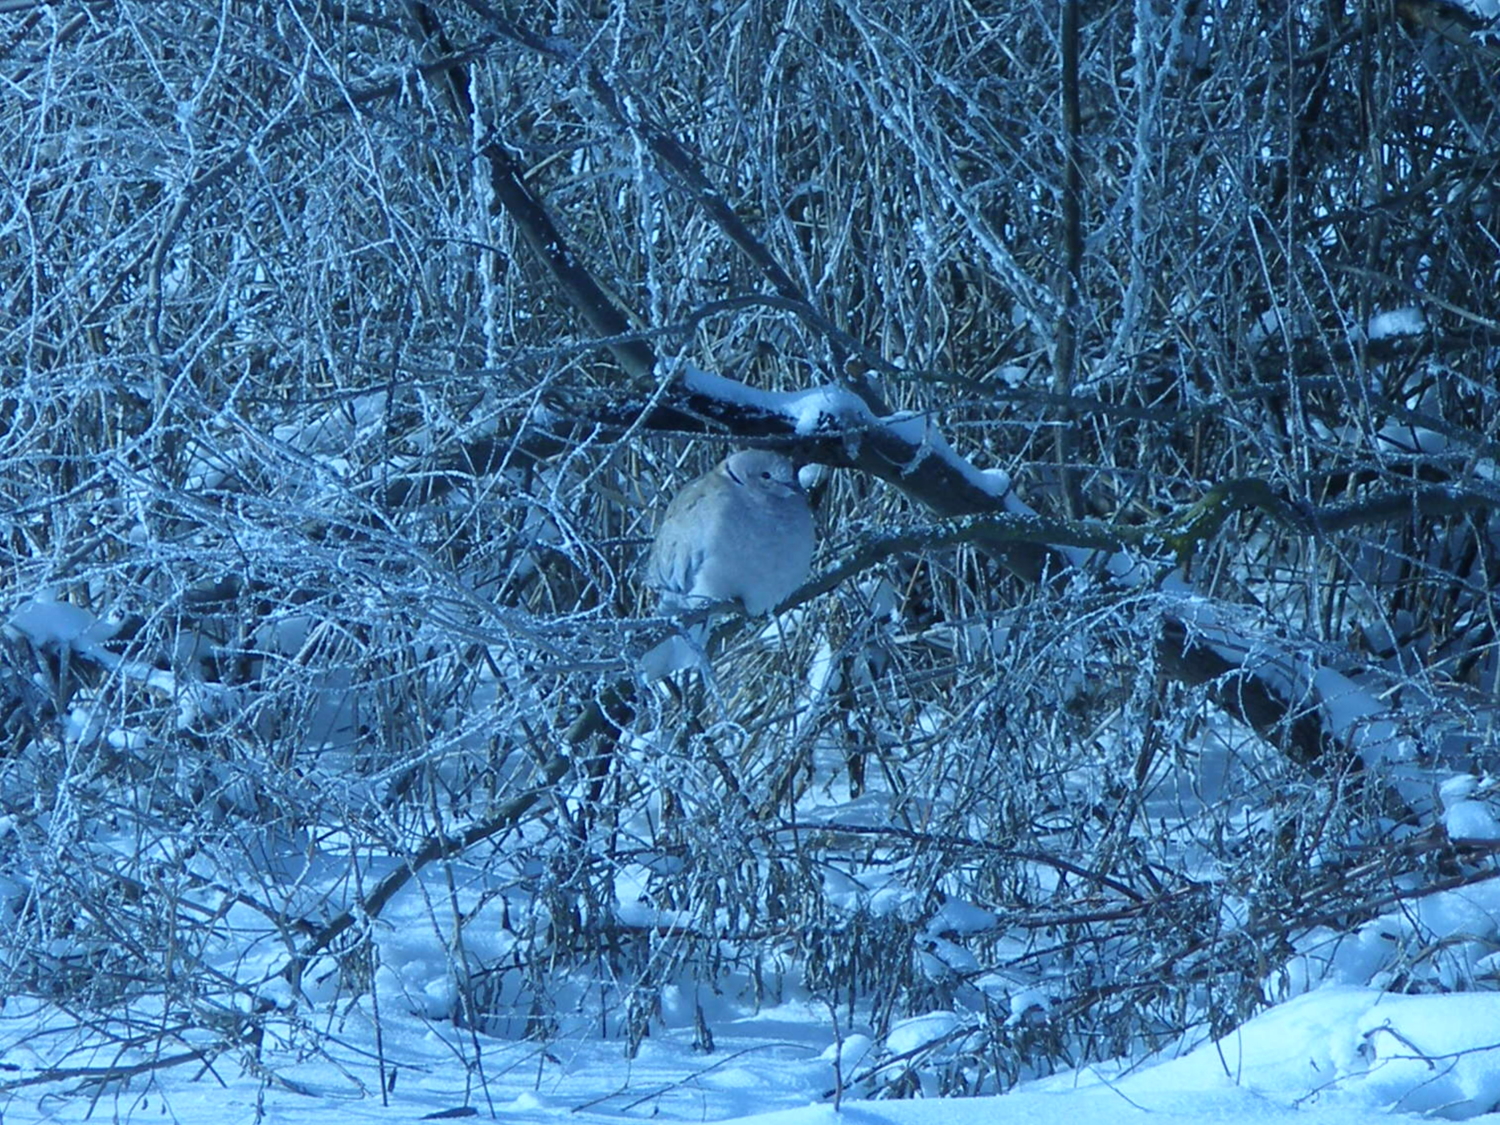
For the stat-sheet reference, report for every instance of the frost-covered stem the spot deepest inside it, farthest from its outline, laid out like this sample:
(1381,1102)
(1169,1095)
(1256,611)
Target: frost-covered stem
(1065,341)
(1152,66)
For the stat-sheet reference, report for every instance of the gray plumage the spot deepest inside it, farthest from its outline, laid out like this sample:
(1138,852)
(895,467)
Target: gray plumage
(741,532)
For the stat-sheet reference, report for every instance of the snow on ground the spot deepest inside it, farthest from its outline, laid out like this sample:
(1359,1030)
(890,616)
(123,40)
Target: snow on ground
(1336,1056)
(1339,1050)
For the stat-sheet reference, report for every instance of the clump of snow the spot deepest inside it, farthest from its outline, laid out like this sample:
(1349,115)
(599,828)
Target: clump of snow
(46,621)
(913,1034)
(849,1052)
(1026,1003)
(812,411)
(998,481)
(1457,787)
(1465,819)
(823,408)
(1397,322)
(959,917)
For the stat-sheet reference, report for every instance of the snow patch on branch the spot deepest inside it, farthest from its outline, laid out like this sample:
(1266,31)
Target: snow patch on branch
(830,408)
(1355,715)
(60,626)
(922,434)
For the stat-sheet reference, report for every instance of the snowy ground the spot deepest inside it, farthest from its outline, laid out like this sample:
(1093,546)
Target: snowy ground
(1337,1055)
(1344,1046)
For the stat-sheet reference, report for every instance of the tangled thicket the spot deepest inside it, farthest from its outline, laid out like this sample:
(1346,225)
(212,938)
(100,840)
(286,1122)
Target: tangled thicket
(321,496)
